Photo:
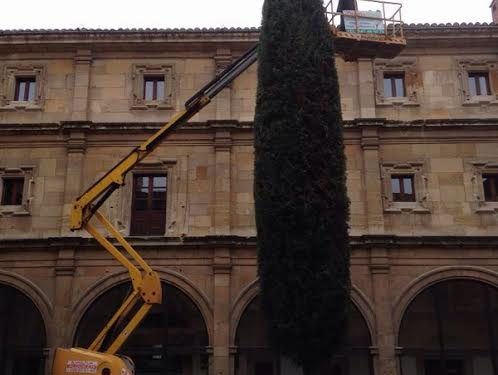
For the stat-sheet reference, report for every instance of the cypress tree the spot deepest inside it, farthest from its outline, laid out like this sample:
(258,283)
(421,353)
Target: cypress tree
(302,207)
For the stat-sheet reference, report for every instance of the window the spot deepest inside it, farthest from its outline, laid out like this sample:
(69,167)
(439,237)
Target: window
(490,183)
(398,82)
(403,188)
(22,88)
(154,88)
(394,85)
(149,205)
(25,89)
(479,84)
(12,191)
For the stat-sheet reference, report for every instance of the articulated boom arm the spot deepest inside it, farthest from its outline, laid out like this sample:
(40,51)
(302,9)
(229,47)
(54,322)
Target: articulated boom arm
(146,283)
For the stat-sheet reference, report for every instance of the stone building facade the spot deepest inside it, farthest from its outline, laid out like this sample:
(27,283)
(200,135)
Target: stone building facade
(421,135)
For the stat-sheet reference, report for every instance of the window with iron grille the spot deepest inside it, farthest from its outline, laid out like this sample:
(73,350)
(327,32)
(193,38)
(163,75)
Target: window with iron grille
(403,188)
(479,84)
(490,184)
(149,205)
(394,85)
(12,191)
(25,89)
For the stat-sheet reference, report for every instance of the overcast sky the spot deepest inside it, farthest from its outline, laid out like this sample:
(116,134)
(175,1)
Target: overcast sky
(196,13)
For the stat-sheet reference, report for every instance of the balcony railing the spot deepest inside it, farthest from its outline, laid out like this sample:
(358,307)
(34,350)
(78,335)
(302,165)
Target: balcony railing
(372,29)
(370,18)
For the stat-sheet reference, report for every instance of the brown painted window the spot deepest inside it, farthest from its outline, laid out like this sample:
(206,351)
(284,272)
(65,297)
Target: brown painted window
(479,84)
(25,89)
(149,205)
(154,88)
(394,85)
(403,188)
(490,182)
(12,191)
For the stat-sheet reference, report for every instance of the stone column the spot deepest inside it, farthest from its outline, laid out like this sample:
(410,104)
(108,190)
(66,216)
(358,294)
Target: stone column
(371,177)
(64,274)
(59,336)
(82,64)
(74,184)
(222,148)
(366,88)
(385,363)
(222,267)
(223,59)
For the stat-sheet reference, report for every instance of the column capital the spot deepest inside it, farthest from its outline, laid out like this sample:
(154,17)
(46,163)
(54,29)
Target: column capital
(370,139)
(83,56)
(379,261)
(223,140)
(65,265)
(223,58)
(222,261)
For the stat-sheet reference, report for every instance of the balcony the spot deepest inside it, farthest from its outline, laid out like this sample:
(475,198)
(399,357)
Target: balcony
(373,29)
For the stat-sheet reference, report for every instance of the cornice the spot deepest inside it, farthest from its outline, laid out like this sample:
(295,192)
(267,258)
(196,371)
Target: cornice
(97,40)
(234,242)
(136,40)
(95,128)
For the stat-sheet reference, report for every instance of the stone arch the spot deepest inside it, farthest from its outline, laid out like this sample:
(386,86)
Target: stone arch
(35,294)
(251,291)
(245,297)
(366,309)
(436,276)
(176,279)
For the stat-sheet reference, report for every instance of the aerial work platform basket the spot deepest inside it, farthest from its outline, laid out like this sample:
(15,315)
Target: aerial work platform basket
(366,28)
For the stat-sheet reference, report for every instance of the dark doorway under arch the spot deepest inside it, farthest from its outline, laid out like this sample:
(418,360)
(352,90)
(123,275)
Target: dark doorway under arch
(22,334)
(451,328)
(171,340)
(255,358)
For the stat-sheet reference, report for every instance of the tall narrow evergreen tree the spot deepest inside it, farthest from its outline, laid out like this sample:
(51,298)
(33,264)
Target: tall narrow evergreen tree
(302,207)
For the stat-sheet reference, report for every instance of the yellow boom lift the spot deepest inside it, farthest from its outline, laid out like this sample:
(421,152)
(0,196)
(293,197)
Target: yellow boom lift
(101,357)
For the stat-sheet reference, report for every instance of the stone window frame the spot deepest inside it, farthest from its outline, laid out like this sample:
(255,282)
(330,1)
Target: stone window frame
(478,66)
(139,71)
(418,170)
(165,166)
(8,87)
(480,168)
(409,68)
(25,172)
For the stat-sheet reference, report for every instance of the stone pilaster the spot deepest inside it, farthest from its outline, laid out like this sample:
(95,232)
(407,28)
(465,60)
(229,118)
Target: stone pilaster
(223,59)
(366,88)
(222,269)
(74,184)
(82,65)
(64,274)
(223,154)
(372,182)
(385,360)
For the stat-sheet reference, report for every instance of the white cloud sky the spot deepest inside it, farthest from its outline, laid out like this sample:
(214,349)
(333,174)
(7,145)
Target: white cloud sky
(197,13)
